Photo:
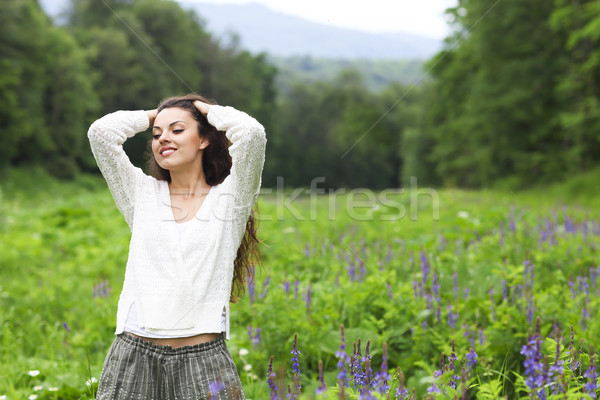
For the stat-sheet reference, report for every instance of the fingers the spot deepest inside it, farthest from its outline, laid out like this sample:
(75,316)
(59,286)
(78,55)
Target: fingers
(202,107)
(151,116)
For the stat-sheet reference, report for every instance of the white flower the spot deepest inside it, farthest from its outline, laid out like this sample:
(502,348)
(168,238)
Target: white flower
(247,367)
(53,389)
(244,352)
(91,380)
(38,388)
(33,372)
(32,397)
(3,397)
(463,214)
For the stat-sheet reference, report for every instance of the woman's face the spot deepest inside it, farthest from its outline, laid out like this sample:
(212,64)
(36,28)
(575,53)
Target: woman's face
(175,139)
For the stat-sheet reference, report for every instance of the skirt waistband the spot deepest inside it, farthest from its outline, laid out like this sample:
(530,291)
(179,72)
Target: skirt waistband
(207,347)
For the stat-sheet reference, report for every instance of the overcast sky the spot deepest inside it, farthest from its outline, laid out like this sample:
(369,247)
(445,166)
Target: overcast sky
(424,17)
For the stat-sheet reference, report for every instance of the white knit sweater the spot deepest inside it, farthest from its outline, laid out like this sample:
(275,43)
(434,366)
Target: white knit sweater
(180,290)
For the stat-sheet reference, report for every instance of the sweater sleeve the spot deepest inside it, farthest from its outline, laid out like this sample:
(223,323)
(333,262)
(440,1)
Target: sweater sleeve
(106,136)
(247,152)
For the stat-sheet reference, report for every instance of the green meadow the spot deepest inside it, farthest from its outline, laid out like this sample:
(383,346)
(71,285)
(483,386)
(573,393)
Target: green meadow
(409,270)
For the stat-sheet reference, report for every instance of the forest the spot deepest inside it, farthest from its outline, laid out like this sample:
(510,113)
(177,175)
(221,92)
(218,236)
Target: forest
(511,101)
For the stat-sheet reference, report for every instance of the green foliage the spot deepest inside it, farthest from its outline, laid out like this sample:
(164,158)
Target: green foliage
(514,98)
(41,92)
(64,248)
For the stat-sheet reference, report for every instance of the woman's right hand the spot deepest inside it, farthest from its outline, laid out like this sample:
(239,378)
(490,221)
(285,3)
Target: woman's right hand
(151,116)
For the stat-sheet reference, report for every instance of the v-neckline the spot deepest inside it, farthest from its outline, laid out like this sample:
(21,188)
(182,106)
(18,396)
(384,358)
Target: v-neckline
(170,205)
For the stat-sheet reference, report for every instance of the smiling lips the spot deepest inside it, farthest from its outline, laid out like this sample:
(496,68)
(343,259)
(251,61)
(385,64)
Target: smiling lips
(167,151)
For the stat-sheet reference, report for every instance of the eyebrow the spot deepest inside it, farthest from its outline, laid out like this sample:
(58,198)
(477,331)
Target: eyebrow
(171,124)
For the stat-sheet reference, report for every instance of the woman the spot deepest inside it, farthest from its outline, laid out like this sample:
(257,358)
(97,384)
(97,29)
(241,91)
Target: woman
(193,241)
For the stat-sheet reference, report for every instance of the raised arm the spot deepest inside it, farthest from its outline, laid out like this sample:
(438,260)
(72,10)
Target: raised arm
(247,150)
(107,136)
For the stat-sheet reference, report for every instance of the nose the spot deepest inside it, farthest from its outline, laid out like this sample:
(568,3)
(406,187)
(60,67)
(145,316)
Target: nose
(164,137)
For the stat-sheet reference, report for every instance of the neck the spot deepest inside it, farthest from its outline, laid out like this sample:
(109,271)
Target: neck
(188,183)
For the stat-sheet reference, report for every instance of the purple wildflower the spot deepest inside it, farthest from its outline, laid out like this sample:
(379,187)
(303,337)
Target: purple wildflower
(401,391)
(471,359)
(452,318)
(308,297)
(368,381)
(455,284)
(389,291)
(425,268)
(343,359)
(382,377)
(362,270)
(215,388)
(556,369)
(442,243)
(286,287)
(66,327)
(265,290)
(352,271)
(296,283)
(101,289)
(433,388)
(307,250)
(295,369)
(572,286)
(592,385)
(529,308)
(251,287)
(436,287)
(270,382)
(322,387)
(534,366)
(585,314)
(417,290)
(256,340)
(504,291)
(295,353)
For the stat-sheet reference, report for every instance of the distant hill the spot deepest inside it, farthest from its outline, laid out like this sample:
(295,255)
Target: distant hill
(263,30)
(377,74)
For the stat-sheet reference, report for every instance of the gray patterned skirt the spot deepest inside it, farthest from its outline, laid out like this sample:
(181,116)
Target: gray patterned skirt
(137,369)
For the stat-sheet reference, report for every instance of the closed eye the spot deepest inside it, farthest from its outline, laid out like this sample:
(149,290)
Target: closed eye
(178,131)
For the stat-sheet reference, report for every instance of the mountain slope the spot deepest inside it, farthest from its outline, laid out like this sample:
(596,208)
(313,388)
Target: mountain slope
(263,30)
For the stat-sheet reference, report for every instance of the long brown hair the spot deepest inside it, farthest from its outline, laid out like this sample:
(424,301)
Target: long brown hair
(216,163)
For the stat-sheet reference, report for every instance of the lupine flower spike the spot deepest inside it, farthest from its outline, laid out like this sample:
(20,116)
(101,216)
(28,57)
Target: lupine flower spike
(322,387)
(343,359)
(401,391)
(296,367)
(270,382)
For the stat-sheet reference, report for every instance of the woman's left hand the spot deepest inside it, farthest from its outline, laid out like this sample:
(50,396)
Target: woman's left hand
(202,107)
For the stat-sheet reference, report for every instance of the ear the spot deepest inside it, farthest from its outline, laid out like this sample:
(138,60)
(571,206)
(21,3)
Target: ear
(203,144)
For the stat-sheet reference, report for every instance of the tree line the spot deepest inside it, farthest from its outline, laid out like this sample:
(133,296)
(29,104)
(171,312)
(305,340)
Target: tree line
(512,99)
